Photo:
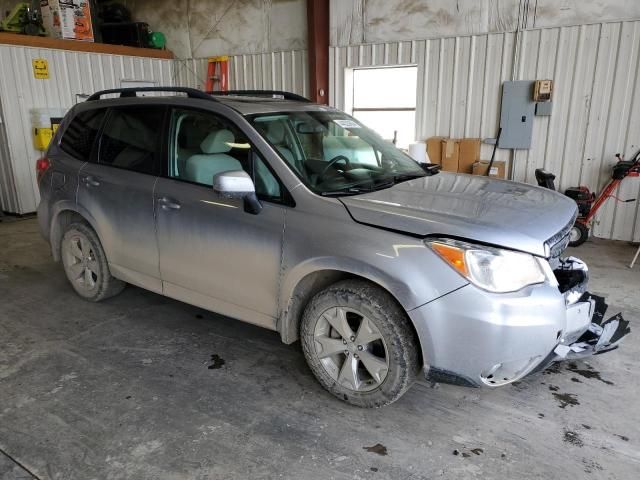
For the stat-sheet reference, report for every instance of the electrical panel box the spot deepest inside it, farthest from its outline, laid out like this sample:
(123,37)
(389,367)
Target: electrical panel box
(516,114)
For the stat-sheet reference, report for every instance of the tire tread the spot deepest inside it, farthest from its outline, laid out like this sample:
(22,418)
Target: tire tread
(360,294)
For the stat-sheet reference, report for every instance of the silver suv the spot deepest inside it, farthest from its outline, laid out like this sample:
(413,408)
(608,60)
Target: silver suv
(296,217)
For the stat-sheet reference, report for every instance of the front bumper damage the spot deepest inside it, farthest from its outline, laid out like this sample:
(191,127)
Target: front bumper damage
(476,338)
(587,332)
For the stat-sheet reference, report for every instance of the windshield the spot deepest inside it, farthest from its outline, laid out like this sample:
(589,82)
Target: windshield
(333,154)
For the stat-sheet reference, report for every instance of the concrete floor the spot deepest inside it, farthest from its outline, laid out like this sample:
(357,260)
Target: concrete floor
(141,386)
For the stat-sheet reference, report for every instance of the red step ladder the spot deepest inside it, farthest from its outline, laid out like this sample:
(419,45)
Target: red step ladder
(217,74)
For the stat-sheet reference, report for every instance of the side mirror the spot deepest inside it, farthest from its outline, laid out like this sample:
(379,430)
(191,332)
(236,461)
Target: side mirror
(237,184)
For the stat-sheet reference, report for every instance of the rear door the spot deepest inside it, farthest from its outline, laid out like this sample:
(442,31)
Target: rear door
(116,188)
(67,158)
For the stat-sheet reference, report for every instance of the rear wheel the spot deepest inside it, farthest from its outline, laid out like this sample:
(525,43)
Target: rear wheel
(578,235)
(85,264)
(359,344)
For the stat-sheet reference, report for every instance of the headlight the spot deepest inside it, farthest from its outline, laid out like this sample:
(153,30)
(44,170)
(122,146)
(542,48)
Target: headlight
(492,269)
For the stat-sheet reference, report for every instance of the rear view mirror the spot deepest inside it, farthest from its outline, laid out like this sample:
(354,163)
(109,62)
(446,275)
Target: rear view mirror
(237,184)
(308,128)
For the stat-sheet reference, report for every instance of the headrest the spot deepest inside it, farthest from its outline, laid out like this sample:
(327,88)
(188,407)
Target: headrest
(275,132)
(218,142)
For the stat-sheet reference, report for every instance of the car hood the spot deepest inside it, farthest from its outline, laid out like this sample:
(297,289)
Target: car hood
(497,212)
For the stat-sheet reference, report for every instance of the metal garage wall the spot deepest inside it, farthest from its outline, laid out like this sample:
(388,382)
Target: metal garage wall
(270,71)
(457,95)
(8,195)
(596,111)
(71,73)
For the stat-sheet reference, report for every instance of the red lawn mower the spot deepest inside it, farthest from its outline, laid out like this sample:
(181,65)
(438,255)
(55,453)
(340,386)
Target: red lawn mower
(588,202)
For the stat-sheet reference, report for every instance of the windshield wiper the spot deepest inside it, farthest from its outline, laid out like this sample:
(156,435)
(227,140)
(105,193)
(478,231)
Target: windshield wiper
(374,186)
(345,191)
(407,176)
(394,180)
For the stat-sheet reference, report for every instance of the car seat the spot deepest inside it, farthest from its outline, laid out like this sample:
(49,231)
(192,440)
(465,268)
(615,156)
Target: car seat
(276,134)
(202,167)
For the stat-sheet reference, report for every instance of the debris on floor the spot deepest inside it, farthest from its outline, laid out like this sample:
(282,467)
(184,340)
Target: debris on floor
(377,448)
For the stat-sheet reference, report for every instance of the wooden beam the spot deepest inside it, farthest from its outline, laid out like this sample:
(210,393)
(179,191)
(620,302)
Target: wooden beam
(73,45)
(318,44)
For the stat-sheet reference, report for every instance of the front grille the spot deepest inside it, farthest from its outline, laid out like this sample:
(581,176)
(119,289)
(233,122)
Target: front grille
(559,242)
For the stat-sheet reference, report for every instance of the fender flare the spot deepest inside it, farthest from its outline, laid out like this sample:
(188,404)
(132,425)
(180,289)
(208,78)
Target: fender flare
(55,233)
(295,290)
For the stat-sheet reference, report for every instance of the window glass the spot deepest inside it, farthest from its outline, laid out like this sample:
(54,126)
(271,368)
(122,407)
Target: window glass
(334,154)
(388,87)
(389,123)
(81,133)
(131,137)
(204,144)
(385,100)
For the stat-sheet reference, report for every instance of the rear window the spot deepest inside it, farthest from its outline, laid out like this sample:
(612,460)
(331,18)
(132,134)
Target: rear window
(131,139)
(80,135)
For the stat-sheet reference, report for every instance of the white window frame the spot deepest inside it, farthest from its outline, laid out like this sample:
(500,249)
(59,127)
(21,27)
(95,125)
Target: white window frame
(349,94)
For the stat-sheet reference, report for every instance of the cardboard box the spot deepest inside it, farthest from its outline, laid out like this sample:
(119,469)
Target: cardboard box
(469,154)
(450,153)
(434,149)
(67,19)
(497,169)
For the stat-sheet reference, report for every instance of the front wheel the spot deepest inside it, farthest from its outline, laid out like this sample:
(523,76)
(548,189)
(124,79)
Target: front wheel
(578,235)
(359,344)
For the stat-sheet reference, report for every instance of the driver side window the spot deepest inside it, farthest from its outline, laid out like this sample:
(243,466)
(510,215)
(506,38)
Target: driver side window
(204,144)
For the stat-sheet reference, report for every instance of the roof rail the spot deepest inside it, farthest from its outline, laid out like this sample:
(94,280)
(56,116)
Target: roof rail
(132,92)
(262,93)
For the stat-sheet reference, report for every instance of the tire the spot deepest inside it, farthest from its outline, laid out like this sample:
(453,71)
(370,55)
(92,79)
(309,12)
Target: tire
(363,312)
(579,234)
(85,264)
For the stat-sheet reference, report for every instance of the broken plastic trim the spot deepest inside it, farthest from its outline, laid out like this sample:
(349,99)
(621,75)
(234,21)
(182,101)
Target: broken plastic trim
(572,275)
(601,336)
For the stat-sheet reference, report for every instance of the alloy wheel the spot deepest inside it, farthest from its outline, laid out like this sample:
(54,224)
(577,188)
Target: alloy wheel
(80,262)
(351,349)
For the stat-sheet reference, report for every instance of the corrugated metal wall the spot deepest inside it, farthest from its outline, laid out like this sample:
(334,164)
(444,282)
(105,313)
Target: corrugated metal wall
(7,188)
(269,71)
(71,73)
(596,113)
(596,110)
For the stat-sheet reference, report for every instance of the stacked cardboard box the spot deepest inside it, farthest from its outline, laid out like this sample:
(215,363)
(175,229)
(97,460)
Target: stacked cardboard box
(461,155)
(497,169)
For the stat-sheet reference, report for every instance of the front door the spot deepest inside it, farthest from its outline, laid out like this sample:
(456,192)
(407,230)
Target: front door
(117,191)
(213,253)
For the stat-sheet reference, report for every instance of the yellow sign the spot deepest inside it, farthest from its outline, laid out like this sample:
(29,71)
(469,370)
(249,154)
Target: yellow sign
(40,68)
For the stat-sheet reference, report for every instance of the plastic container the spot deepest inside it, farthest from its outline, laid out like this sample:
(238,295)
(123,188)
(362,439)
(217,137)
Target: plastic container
(42,125)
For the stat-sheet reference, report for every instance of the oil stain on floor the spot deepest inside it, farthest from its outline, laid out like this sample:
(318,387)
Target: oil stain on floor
(217,362)
(566,399)
(588,372)
(573,438)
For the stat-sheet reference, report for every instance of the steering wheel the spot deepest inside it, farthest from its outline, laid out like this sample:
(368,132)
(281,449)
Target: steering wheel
(333,161)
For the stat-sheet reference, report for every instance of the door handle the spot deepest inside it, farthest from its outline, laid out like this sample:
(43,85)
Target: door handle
(90,181)
(168,203)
